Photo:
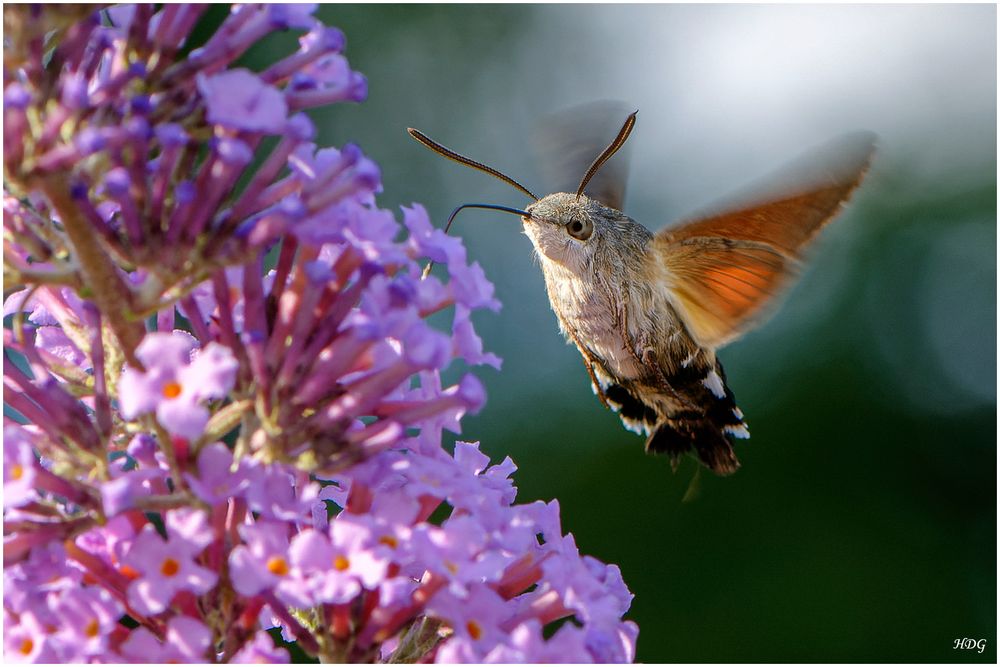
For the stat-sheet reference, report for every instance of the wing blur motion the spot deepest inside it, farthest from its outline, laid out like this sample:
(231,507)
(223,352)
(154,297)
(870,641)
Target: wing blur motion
(567,143)
(723,270)
(720,286)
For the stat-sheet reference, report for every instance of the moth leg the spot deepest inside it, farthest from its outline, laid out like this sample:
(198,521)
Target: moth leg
(597,385)
(648,358)
(621,320)
(588,362)
(650,361)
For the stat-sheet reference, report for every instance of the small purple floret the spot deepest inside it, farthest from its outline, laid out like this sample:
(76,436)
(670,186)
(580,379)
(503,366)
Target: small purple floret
(74,92)
(173,385)
(171,135)
(19,465)
(239,100)
(168,565)
(187,640)
(234,152)
(292,15)
(15,96)
(89,141)
(117,182)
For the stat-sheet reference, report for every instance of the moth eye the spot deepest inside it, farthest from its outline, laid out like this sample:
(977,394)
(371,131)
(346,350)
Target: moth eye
(580,228)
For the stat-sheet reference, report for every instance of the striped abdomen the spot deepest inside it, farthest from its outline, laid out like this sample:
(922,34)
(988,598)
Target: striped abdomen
(689,410)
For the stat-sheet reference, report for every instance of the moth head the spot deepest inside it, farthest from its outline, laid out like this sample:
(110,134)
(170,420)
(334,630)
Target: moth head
(568,228)
(563,227)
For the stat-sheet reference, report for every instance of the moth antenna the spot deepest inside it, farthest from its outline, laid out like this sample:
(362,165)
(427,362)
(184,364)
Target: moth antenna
(451,219)
(468,162)
(609,151)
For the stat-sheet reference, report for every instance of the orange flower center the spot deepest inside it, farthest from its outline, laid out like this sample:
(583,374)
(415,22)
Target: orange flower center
(170,567)
(27,646)
(171,390)
(475,631)
(129,572)
(277,566)
(340,563)
(17,471)
(451,567)
(92,628)
(389,541)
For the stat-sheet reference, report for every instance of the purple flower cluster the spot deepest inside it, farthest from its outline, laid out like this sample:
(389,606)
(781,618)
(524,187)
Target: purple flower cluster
(225,398)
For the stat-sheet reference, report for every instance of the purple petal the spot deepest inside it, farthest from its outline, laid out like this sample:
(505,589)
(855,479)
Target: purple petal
(166,350)
(262,650)
(147,551)
(292,15)
(212,374)
(468,456)
(369,568)
(248,575)
(239,100)
(458,650)
(472,393)
(139,393)
(19,468)
(424,347)
(471,287)
(431,242)
(295,592)
(189,637)
(196,578)
(120,494)
(189,530)
(215,460)
(338,589)
(467,344)
(182,417)
(216,481)
(54,340)
(310,551)
(150,596)
(141,646)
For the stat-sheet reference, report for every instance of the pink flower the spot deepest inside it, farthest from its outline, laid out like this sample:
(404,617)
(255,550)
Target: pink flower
(27,640)
(342,565)
(168,566)
(19,464)
(476,619)
(261,650)
(262,563)
(216,480)
(86,616)
(187,641)
(239,100)
(173,385)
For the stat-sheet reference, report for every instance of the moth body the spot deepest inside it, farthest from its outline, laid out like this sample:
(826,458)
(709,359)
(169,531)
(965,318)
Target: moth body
(592,283)
(647,311)
(610,294)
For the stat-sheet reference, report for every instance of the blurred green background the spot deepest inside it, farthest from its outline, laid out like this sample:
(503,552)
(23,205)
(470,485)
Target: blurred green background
(862,526)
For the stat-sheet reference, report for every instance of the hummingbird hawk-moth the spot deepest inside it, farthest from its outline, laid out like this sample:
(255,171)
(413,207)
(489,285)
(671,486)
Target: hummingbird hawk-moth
(647,311)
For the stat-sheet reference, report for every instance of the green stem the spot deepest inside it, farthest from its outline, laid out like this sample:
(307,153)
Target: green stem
(106,288)
(421,637)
